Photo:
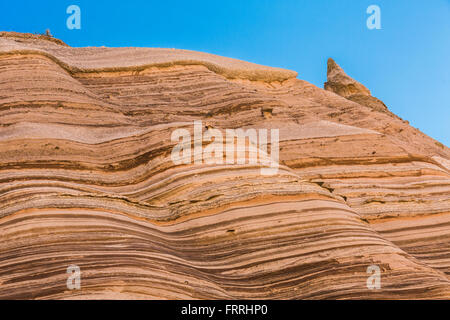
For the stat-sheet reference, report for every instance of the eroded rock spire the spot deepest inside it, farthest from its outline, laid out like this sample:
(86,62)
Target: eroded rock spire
(342,84)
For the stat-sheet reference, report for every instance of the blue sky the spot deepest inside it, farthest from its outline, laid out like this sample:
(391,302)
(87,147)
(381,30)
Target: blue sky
(406,63)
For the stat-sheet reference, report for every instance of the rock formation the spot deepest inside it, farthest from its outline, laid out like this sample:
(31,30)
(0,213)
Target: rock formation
(340,83)
(86,179)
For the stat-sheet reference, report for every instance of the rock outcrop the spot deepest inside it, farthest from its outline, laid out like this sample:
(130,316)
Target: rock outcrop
(340,83)
(87,179)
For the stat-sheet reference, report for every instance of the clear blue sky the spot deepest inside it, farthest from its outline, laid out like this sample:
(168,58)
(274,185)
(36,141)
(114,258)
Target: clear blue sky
(406,63)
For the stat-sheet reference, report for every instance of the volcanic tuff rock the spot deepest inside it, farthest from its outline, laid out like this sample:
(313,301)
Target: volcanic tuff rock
(340,83)
(86,179)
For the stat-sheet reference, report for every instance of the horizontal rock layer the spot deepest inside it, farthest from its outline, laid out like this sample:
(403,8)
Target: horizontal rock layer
(87,179)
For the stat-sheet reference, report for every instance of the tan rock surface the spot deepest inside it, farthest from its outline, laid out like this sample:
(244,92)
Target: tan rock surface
(86,178)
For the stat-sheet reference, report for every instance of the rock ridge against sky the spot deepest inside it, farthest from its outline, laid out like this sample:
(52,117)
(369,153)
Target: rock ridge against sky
(87,179)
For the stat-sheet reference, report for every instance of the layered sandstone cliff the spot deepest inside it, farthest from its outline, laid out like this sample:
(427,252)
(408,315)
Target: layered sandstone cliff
(87,179)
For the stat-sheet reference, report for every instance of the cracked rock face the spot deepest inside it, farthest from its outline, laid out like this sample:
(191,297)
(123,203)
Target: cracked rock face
(87,179)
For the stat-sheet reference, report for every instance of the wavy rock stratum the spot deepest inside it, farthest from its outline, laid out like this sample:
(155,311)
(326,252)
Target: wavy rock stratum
(86,179)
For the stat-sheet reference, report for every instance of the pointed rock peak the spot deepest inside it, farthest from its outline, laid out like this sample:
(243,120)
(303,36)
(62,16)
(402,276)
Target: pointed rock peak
(342,84)
(334,68)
